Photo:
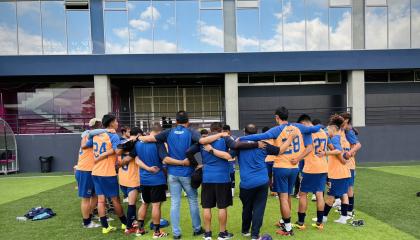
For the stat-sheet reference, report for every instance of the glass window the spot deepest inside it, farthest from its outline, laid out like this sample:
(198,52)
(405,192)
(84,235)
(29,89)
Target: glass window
(78,32)
(340,3)
(29,30)
(294,25)
(334,77)
(313,77)
(376,2)
(399,23)
(211,30)
(401,76)
(247,28)
(54,27)
(113,4)
(417,77)
(210,4)
(376,76)
(340,28)
(287,77)
(187,26)
(243,78)
(317,24)
(164,24)
(116,31)
(140,15)
(261,78)
(271,25)
(8,28)
(376,28)
(415,23)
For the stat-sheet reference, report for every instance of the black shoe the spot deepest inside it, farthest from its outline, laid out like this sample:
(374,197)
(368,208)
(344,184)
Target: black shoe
(177,237)
(418,194)
(198,232)
(207,236)
(225,235)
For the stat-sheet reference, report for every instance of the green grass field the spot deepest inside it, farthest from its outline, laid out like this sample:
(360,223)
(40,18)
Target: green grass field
(385,199)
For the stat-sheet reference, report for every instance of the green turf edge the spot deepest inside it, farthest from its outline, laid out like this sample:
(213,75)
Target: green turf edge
(383,164)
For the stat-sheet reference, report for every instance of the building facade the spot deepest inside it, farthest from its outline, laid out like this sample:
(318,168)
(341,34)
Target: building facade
(235,61)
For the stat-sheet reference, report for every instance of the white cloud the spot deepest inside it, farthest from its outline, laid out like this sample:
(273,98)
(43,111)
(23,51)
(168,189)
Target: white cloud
(211,35)
(121,32)
(145,20)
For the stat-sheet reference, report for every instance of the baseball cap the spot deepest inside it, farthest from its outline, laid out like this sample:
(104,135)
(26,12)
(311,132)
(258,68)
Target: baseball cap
(93,121)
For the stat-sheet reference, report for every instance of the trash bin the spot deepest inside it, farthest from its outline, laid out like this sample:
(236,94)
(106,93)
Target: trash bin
(46,163)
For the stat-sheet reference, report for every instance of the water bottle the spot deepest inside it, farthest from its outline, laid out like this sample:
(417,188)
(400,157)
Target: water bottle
(21,219)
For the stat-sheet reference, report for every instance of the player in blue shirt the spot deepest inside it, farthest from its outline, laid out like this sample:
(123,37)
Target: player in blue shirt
(178,140)
(226,129)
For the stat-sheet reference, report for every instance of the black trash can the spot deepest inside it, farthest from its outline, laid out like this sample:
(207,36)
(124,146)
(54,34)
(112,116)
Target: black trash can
(46,163)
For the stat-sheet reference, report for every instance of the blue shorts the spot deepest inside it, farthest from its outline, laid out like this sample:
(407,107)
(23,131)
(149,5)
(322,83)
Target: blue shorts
(129,189)
(107,186)
(339,187)
(284,179)
(85,184)
(313,182)
(269,166)
(351,179)
(124,190)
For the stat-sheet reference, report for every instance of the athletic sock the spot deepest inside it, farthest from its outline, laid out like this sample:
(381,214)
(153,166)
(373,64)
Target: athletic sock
(319,216)
(86,221)
(287,224)
(123,220)
(327,210)
(344,208)
(351,204)
(301,217)
(104,222)
(156,227)
(141,224)
(131,215)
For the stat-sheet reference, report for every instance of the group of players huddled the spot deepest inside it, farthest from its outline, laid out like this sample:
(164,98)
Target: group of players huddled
(149,163)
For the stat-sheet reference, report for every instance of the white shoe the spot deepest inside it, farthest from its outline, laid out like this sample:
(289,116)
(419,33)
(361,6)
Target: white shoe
(313,199)
(207,238)
(168,194)
(337,203)
(351,215)
(248,234)
(125,200)
(324,219)
(92,224)
(110,219)
(342,220)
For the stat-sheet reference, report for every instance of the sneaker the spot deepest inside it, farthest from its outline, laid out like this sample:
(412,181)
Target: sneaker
(246,234)
(140,232)
(129,231)
(125,200)
(198,232)
(283,232)
(337,203)
(109,229)
(342,220)
(351,214)
(92,224)
(225,235)
(168,194)
(123,226)
(313,199)
(160,234)
(318,226)
(255,238)
(299,226)
(324,219)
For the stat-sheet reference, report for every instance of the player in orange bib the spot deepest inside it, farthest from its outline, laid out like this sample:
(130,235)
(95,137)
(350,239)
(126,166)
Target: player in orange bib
(314,174)
(338,172)
(104,175)
(84,177)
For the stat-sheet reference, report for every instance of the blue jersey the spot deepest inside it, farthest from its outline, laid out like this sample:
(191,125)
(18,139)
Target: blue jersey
(150,154)
(351,137)
(216,170)
(179,139)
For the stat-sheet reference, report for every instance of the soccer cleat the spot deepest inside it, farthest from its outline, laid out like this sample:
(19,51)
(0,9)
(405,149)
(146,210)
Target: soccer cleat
(299,226)
(342,220)
(160,234)
(324,219)
(318,226)
(140,232)
(246,234)
(283,232)
(109,229)
(225,235)
(92,224)
(129,231)
(123,226)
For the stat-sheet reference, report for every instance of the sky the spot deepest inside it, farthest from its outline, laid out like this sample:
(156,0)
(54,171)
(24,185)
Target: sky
(169,27)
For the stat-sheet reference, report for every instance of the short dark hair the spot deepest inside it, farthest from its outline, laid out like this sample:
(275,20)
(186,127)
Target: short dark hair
(204,132)
(124,129)
(216,127)
(251,129)
(136,131)
(346,116)
(336,120)
(282,113)
(182,117)
(304,118)
(226,127)
(316,121)
(265,129)
(107,119)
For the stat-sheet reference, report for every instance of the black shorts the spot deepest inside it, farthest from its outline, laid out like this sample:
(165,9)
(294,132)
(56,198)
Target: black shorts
(216,193)
(232,179)
(154,194)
